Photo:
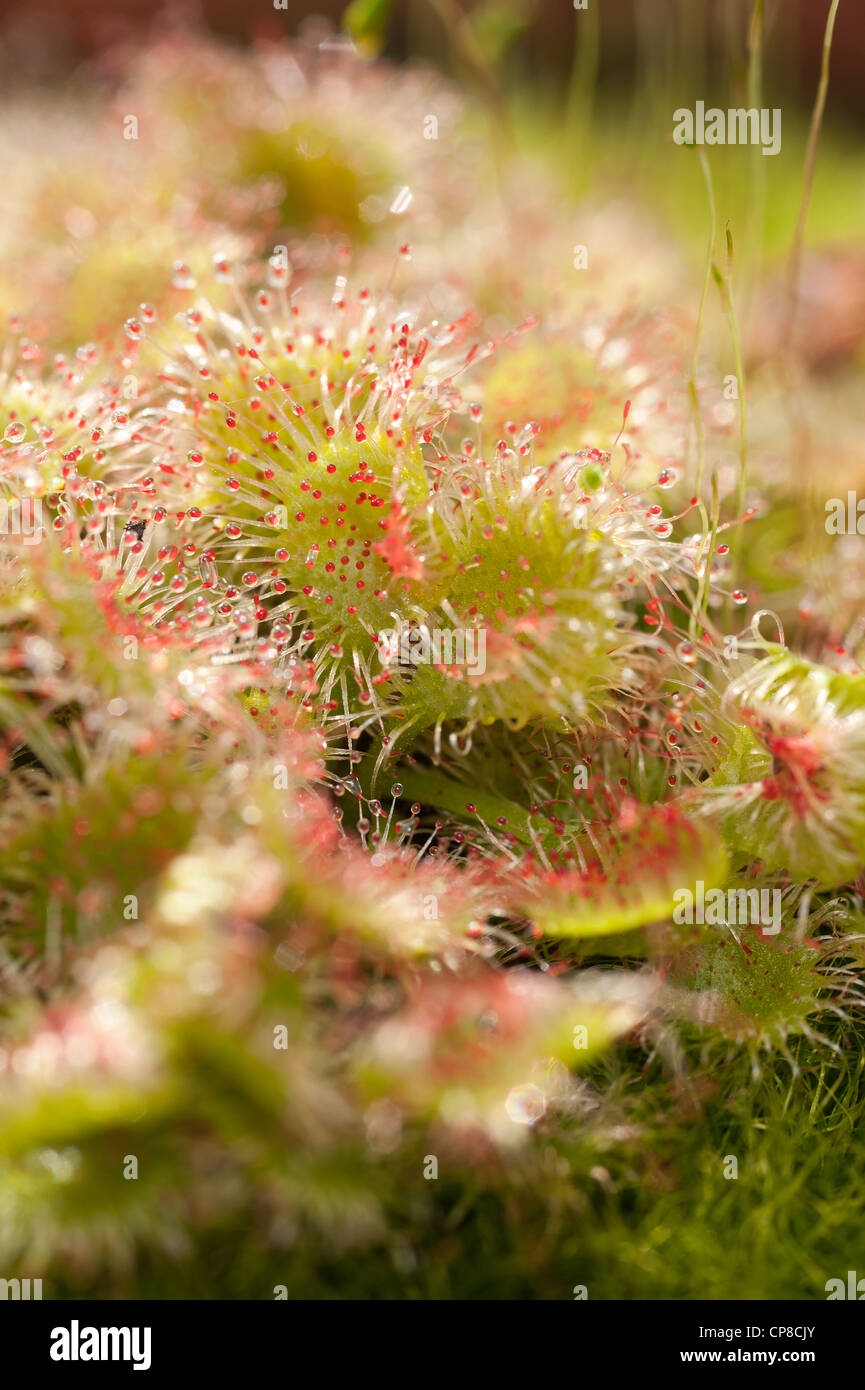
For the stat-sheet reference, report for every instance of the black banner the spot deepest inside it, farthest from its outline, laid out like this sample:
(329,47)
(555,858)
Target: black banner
(80,1340)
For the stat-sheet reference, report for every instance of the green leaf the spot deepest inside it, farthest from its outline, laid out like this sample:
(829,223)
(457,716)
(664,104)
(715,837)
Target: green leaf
(638,869)
(366,21)
(497,23)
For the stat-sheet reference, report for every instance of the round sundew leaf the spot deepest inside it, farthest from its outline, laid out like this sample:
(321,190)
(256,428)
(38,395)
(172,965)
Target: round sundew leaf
(479,1037)
(755,988)
(569,391)
(77,1114)
(790,791)
(640,865)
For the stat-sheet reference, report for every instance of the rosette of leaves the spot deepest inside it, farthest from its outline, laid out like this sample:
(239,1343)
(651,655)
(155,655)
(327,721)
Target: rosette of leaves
(324,511)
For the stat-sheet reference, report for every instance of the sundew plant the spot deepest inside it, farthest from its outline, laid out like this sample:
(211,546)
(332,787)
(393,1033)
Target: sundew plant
(432,700)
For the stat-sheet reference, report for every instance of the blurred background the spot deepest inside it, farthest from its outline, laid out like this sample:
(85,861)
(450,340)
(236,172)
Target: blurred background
(680,40)
(596,86)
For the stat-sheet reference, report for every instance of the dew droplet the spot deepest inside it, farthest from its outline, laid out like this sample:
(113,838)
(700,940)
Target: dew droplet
(525,1104)
(668,477)
(14,433)
(182,277)
(739,596)
(278,272)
